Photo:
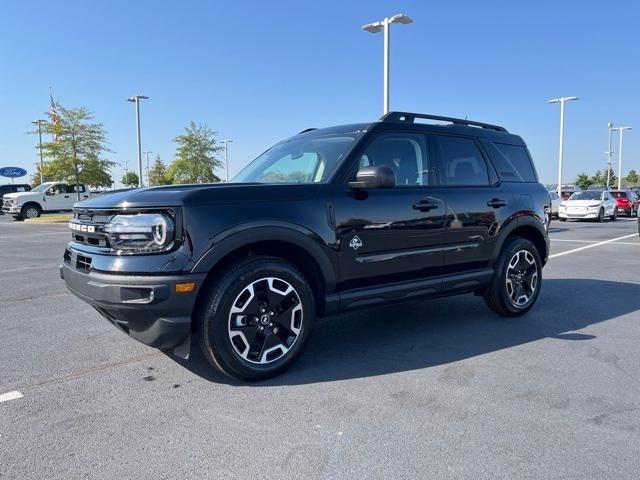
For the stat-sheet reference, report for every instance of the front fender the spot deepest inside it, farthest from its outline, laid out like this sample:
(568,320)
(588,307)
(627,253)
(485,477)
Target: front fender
(245,234)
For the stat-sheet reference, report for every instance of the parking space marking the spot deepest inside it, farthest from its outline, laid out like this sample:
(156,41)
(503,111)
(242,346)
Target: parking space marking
(13,395)
(592,245)
(588,241)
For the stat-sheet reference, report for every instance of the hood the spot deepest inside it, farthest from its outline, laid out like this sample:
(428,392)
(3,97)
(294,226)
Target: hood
(201,194)
(22,194)
(581,203)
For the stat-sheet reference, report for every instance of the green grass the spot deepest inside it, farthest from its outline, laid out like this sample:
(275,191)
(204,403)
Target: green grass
(57,218)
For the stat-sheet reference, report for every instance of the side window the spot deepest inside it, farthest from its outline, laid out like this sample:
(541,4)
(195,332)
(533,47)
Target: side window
(405,153)
(463,163)
(513,163)
(72,189)
(58,189)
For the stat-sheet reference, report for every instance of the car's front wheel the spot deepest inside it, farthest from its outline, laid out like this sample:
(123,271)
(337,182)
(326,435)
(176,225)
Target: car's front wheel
(517,280)
(257,318)
(600,218)
(30,211)
(614,216)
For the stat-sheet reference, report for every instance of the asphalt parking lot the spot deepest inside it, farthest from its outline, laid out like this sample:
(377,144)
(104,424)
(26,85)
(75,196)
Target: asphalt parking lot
(432,389)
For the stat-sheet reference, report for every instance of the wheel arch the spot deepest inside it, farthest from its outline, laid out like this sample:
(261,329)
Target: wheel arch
(32,203)
(291,243)
(531,232)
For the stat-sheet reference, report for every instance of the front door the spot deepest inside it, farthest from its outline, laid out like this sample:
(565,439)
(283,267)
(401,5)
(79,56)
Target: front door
(57,197)
(392,234)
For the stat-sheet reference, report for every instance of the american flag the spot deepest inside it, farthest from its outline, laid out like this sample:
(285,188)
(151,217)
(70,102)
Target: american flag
(54,115)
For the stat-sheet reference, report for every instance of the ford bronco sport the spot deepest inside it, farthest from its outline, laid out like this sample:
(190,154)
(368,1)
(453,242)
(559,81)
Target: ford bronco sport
(327,221)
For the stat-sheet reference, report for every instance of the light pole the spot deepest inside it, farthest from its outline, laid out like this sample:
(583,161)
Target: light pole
(39,122)
(226,158)
(376,27)
(620,129)
(136,99)
(146,154)
(609,152)
(562,101)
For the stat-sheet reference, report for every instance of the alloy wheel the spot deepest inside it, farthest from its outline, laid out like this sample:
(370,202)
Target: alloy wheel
(31,212)
(265,320)
(522,278)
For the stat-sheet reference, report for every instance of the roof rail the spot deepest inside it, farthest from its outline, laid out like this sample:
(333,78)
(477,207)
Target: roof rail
(306,130)
(410,118)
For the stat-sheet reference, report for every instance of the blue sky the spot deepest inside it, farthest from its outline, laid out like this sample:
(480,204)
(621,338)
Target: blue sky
(258,71)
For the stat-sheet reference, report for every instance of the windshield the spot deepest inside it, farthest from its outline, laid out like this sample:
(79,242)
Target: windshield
(588,195)
(41,188)
(302,160)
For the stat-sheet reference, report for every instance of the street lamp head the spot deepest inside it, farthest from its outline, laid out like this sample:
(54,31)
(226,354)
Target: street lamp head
(562,99)
(373,27)
(400,18)
(135,98)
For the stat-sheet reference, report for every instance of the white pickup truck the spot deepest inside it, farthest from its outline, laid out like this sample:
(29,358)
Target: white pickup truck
(48,197)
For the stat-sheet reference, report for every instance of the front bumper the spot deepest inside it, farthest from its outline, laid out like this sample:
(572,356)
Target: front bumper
(146,308)
(12,210)
(585,215)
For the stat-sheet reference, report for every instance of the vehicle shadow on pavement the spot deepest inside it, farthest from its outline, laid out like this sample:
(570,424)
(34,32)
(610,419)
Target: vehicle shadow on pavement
(422,334)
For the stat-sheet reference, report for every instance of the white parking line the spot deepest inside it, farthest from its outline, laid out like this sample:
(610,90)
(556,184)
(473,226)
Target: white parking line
(592,245)
(14,395)
(588,241)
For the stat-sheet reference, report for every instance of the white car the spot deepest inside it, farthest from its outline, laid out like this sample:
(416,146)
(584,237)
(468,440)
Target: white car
(555,204)
(589,204)
(48,197)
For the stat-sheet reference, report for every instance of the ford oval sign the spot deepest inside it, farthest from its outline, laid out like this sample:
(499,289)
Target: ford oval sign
(12,172)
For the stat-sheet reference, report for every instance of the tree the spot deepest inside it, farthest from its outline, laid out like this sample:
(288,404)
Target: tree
(158,174)
(583,181)
(195,159)
(130,179)
(632,179)
(613,180)
(76,153)
(598,178)
(35,178)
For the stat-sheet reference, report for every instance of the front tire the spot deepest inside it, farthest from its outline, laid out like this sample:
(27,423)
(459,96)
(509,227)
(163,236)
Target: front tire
(30,211)
(600,218)
(257,318)
(517,280)
(614,217)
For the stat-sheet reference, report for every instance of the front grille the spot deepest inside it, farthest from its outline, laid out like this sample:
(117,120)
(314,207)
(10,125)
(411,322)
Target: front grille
(6,203)
(90,228)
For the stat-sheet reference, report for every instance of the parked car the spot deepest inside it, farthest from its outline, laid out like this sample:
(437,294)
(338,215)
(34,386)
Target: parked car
(47,197)
(12,188)
(627,201)
(327,221)
(567,190)
(589,204)
(555,204)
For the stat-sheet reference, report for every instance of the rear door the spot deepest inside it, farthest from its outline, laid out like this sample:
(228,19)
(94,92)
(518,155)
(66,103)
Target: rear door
(477,205)
(392,234)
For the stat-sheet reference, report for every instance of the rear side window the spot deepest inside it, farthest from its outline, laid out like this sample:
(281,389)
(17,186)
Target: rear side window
(513,163)
(463,163)
(619,194)
(72,189)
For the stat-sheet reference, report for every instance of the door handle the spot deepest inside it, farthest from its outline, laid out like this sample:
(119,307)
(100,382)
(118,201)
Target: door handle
(426,204)
(66,196)
(496,203)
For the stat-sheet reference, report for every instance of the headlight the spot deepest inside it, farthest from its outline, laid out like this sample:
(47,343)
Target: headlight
(14,201)
(140,233)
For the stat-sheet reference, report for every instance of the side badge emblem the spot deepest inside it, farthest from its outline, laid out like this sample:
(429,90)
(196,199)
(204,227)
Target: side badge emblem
(355,243)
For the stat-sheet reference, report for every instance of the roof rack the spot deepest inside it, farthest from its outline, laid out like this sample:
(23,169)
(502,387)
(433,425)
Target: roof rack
(410,118)
(307,130)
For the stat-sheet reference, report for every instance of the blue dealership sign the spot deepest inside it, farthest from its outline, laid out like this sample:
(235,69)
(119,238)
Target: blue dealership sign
(12,172)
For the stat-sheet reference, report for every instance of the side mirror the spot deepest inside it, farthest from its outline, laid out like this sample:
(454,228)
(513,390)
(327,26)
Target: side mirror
(377,176)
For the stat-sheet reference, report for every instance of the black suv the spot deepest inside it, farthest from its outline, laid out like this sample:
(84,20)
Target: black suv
(327,221)
(12,188)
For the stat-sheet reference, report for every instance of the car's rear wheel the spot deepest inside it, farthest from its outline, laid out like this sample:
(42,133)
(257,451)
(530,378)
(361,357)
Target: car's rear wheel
(30,211)
(257,318)
(600,218)
(562,219)
(614,216)
(517,280)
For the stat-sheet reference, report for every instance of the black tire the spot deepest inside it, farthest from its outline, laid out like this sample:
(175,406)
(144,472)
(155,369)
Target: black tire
(614,217)
(563,219)
(246,284)
(30,210)
(498,297)
(600,218)
(631,213)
